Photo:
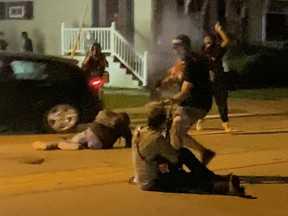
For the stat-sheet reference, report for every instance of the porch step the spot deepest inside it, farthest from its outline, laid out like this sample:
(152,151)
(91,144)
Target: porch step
(119,76)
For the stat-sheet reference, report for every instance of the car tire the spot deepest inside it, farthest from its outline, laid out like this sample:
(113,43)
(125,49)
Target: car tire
(62,118)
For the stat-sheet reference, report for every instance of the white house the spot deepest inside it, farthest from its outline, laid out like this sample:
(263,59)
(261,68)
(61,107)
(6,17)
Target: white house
(147,25)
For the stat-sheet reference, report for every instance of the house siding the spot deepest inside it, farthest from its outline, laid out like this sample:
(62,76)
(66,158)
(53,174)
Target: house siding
(254,27)
(143,25)
(44,28)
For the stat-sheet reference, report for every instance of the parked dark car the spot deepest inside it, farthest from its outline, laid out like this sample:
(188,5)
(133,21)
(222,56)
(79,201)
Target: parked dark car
(45,93)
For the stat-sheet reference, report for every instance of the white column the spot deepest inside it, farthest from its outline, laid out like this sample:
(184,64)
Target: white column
(112,39)
(62,38)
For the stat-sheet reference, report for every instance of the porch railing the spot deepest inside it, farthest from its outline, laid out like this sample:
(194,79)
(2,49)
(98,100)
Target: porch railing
(111,42)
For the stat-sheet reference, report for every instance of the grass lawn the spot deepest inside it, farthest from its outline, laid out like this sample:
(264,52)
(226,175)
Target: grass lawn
(125,100)
(115,101)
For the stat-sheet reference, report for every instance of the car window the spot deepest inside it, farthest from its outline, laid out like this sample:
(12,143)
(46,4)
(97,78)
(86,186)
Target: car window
(28,70)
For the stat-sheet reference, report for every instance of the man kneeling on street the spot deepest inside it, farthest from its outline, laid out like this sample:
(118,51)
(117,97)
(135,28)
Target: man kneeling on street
(160,167)
(105,130)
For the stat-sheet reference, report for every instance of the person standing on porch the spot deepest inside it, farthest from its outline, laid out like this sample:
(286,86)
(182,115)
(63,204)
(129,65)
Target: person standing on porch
(95,63)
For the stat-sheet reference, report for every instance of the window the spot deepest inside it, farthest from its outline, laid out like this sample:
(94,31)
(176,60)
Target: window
(16,12)
(26,70)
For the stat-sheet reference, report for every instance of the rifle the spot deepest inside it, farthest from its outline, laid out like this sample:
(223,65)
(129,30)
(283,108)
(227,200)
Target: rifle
(169,121)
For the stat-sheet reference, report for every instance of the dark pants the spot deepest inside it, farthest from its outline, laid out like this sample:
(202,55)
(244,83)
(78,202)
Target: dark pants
(200,178)
(220,93)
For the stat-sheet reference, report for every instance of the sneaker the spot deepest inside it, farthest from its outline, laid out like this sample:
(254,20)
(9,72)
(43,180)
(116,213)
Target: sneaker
(132,180)
(207,156)
(226,127)
(45,145)
(69,145)
(234,186)
(199,124)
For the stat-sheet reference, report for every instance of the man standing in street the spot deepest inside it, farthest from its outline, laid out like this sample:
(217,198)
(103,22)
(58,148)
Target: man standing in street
(194,98)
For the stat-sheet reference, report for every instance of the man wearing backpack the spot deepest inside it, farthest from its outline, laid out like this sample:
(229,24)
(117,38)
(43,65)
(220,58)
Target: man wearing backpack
(105,130)
(158,166)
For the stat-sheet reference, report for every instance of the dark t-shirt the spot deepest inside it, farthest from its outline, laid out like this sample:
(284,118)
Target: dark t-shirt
(28,47)
(196,72)
(214,55)
(109,135)
(95,66)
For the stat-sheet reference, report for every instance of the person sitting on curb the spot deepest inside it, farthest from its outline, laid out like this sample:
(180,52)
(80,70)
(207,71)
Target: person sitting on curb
(107,127)
(159,167)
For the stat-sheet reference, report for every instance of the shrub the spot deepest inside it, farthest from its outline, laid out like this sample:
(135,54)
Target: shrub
(260,67)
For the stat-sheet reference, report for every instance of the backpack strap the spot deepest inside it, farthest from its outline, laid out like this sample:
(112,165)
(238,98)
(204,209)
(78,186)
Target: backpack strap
(137,143)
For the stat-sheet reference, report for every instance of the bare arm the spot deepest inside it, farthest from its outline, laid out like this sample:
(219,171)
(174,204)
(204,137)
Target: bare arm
(183,93)
(86,59)
(224,37)
(178,97)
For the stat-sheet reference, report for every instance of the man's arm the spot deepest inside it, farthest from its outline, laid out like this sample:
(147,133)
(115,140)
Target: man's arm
(181,95)
(224,37)
(165,150)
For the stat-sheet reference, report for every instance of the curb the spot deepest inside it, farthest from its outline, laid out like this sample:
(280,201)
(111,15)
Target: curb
(236,115)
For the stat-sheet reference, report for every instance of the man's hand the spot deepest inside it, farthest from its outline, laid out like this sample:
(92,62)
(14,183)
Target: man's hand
(153,104)
(159,103)
(218,27)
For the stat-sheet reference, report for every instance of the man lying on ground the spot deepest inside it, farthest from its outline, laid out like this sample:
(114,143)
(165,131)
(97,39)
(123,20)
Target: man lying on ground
(105,130)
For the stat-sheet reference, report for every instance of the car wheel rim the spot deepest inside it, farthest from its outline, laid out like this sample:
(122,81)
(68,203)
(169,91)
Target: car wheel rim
(62,117)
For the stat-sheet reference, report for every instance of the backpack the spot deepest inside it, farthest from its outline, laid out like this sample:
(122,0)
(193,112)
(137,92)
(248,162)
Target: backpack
(111,119)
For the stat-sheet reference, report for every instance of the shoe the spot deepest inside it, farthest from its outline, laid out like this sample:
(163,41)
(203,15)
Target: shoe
(69,145)
(226,127)
(38,145)
(132,180)
(234,187)
(207,156)
(199,124)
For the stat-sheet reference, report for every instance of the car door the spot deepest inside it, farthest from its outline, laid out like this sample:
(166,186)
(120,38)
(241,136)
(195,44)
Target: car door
(8,99)
(21,94)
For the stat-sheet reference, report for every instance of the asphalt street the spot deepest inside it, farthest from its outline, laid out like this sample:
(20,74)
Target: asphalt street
(87,182)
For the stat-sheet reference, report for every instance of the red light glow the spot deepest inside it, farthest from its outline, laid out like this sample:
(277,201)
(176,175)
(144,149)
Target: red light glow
(96,82)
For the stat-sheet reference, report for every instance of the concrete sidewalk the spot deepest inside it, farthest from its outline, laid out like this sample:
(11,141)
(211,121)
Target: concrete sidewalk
(237,107)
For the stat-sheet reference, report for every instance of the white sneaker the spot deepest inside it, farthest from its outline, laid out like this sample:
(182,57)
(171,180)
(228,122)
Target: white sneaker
(199,124)
(38,145)
(69,145)
(226,127)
